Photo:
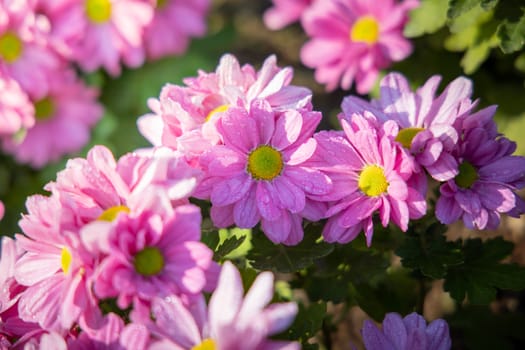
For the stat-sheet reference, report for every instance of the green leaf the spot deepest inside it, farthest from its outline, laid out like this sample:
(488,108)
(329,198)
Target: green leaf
(482,274)
(429,251)
(458,7)
(228,246)
(512,35)
(307,324)
(266,255)
(428,18)
(489,4)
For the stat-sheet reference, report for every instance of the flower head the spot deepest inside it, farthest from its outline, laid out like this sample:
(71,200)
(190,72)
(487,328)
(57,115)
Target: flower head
(69,110)
(408,333)
(187,115)
(258,175)
(370,173)
(353,40)
(486,182)
(231,321)
(147,255)
(181,19)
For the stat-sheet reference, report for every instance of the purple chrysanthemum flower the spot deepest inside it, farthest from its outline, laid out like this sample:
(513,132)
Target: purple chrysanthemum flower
(370,173)
(408,333)
(486,183)
(426,123)
(257,174)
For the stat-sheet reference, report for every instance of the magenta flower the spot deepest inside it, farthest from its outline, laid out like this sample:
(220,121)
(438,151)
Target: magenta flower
(181,19)
(16,110)
(69,109)
(24,48)
(147,255)
(285,12)
(408,333)
(189,113)
(231,321)
(426,123)
(101,33)
(354,40)
(370,173)
(486,183)
(258,173)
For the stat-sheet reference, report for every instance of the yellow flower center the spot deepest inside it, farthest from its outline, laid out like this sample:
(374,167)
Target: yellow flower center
(149,261)
(372,181)
(44,109)
(365,30)
(220,109)
(65,259)
(406,135)
(264,163)
(467,175)
(207,344)
(98,11)
(110,214)
(10,47)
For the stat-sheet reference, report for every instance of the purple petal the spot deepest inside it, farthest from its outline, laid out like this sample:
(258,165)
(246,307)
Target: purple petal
(259,295)
(226,301)
(287,129)
(438,335)
(266,197)
(394,329)
(230,190)
(246,212)
(277,230)
(289,195)
(373,338)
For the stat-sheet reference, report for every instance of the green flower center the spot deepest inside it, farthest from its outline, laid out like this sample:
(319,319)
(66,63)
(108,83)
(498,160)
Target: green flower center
(372,181)
(265,163)
(467,175)
(65,260)
(44,109)
(406,135)
(162,3)
(149,261)
(10,47)
(110,214)
(98,11)
(207,344)
(365,30)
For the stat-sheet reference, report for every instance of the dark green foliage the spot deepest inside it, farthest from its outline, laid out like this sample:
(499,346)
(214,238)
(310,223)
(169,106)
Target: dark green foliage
(482,273)
(266,255)
(307,324)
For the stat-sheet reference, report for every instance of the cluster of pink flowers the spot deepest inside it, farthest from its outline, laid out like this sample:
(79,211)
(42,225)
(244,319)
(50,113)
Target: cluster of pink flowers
(46,38)
(253,136)
(113,258)
(350,40)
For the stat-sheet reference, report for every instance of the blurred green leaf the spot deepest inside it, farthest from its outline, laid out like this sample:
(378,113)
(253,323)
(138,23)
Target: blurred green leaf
(228,246)
(482,273)
(428,18)
(266,255)
(307,324)
(512,35)
(459,7)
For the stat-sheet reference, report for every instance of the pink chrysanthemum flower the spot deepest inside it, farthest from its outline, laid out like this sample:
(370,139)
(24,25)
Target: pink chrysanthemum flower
(181,19)
(16,110)
(354,40)
(101,33)
(189,113)
(258,173)
(486,183)
(23,48)
(69,109)
(408,333)
(427,124)
(370,174)
(231,321)
(98,187)
(147,255)
(285,12)
(55,268)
